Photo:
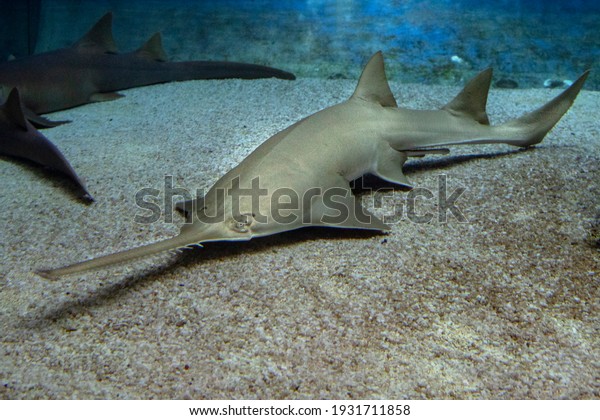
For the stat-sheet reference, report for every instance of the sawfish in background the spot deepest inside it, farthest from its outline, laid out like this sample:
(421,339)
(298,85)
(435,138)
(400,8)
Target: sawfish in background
(92,71)
(19,138)
(319,155)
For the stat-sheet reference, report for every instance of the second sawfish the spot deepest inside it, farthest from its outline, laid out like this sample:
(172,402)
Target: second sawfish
(92,70)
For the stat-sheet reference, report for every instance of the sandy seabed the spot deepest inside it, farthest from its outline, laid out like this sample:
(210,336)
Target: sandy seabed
(504,305)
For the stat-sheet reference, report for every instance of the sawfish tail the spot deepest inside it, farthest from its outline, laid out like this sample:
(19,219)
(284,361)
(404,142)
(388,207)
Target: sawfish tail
(531,128)
(152,57)
(187,70)
(172,244)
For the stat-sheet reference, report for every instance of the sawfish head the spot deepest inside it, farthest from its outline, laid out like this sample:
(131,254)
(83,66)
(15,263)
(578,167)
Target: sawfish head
(236,214)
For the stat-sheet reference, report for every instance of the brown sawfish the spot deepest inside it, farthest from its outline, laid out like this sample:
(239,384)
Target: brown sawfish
(300,176)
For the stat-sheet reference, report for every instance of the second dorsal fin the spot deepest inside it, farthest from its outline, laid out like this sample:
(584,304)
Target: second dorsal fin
(153,49)
(472,100)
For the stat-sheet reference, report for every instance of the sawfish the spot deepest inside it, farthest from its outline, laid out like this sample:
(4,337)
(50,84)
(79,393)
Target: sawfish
(19,138)
(300,176)
(92,70)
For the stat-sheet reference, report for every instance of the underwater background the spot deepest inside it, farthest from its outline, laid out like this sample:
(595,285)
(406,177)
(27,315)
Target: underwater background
(505,306)
(533,43)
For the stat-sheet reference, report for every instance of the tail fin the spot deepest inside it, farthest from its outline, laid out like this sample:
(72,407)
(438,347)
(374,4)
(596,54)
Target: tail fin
(534,126)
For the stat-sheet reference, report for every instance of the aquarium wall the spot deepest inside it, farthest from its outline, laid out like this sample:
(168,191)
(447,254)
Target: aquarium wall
(19,25)
(528,43)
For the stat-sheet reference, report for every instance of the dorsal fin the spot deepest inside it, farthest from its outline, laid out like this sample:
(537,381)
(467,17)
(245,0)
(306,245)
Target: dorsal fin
(100,37)
(13,108)
(373,85)
(153,49)
(472,100)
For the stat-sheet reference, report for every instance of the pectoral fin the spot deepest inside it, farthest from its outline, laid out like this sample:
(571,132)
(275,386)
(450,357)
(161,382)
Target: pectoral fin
(41,122)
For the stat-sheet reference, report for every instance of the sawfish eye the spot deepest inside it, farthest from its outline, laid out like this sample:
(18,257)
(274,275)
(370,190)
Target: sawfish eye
(242,223)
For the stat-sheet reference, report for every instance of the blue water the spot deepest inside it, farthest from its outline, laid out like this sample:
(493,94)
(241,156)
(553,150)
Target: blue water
(527,42)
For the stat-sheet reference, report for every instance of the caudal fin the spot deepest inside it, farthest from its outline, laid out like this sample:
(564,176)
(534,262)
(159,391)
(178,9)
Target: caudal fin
(531,128)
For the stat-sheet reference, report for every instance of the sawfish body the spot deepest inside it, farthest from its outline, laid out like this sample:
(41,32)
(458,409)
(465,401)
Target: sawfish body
(92,70)
(300,176)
